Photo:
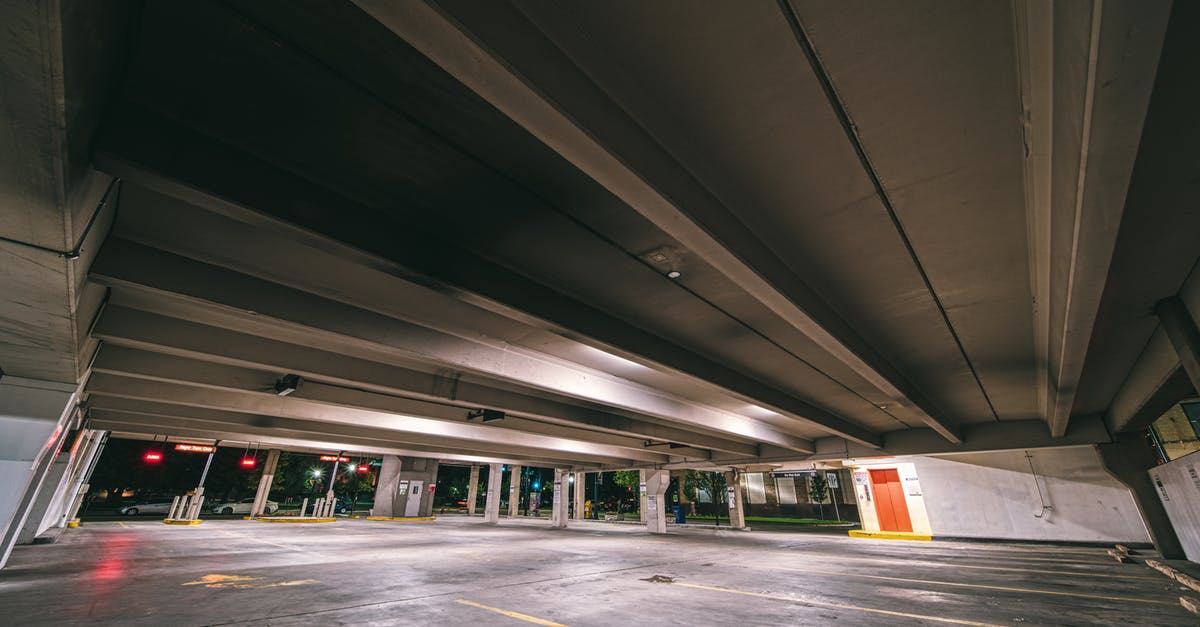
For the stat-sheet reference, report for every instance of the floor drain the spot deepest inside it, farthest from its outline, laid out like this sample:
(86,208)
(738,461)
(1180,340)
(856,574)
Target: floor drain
(660,579)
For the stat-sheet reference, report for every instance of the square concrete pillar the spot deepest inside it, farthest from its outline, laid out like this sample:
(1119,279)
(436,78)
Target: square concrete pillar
(35,417)
(472,490)
(264,483)
(491,506)
(653,489)
(403,487)
(514,491)
(733,494)
(558,511)
(579,494)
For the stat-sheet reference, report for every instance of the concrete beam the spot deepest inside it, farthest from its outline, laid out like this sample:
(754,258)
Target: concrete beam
(131,265)
(584,125)
(133,146)
(419,430)
(1180,328)
(159,367)
(135,426)
(122,327)
(1096,133)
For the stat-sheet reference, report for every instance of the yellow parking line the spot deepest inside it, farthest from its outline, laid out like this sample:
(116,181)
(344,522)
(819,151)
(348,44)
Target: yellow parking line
(985,587)
(780,597)
(123,525)
(517,615)
(948,565)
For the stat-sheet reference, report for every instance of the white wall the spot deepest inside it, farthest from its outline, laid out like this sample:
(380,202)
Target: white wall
(1178,484)
(994,495)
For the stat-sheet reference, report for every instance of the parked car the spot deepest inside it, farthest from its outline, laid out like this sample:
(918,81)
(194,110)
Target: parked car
(148,507)
(243,507)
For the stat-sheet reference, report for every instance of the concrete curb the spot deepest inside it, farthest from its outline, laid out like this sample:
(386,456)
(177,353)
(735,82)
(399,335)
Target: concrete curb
(403,518)
(171,521)
(889,535)
(1182,578)
(295,519)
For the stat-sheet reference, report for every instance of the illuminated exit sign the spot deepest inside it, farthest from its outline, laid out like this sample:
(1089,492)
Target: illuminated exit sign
(195,448)
(334,458)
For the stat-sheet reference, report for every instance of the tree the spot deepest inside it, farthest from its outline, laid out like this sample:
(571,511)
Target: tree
(818,489)
(713,483)
(628,479)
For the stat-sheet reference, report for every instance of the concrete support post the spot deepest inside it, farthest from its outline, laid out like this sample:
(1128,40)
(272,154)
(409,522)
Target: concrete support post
(579,493)
(653,489)
(558,511)
(733,494)
(35,417)
(83,474)
(491,506)
(473,490)
(1180,328)
(403,487)
(264,483)
(1128,459)
(514,491)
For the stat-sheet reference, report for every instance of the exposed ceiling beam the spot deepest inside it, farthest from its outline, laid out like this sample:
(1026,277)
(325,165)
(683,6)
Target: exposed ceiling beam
(1103,77)
(535,85)
(162,334)
(262,195)
(442,432)
(132,265)
(302,441)
(171,369)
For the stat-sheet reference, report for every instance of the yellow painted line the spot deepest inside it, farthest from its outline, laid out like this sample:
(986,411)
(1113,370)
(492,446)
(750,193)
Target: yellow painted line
(123,525)
(73,523)
(986,587)
(511,614)
(402,518)
(181,522)
(950,565)
(889,535)
(780,597)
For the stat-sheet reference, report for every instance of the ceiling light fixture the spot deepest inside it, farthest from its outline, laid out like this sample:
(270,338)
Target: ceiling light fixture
(674,274)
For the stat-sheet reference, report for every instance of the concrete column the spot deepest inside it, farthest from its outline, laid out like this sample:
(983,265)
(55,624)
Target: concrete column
(264,482)
(653,490)
(60,486)
(473,490)
(1128,459)
(491,506)
(514,491)
(79,483)
(558,511)
(579,493)
(35,417)
(733,494)
(397,485)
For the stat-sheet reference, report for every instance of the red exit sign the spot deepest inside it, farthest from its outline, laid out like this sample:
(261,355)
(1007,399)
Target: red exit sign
(195,448)
(334,458)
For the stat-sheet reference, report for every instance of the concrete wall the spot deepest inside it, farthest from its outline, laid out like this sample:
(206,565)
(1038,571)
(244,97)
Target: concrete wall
(995,495)
(1178,484)
(396,471)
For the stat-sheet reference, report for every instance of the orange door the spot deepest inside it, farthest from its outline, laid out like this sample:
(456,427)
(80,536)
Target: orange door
(890,507)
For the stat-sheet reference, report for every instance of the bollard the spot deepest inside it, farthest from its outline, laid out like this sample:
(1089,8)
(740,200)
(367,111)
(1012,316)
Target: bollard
(174,506)
(303,507)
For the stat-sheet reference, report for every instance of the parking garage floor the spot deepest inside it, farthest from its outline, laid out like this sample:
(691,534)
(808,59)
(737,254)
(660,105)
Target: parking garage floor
(460,571)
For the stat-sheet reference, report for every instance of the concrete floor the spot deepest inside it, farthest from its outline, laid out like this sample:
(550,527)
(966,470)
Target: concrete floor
(459,571)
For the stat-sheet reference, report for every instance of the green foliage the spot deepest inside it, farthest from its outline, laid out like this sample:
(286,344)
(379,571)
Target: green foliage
(818,488)
(628,479)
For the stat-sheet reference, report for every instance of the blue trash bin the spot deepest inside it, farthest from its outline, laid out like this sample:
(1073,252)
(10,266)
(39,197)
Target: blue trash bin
(680,518)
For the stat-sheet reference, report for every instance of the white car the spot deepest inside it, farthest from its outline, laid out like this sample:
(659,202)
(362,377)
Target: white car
(243,507)
(152,507)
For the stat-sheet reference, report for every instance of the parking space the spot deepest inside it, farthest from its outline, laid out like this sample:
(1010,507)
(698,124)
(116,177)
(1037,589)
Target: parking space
(458,570)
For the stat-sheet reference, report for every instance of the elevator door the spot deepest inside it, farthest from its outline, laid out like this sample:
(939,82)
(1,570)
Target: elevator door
(890,506)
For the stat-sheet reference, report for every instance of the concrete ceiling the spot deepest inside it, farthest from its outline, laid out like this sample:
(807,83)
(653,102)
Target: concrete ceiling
(907,227)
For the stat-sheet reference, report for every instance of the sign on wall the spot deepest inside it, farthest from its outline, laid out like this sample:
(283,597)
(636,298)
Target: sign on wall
(831,479)
(913,487)
(861,477)
(793,473)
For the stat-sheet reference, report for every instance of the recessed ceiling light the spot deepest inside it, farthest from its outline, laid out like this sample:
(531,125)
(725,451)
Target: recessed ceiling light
(674,274)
